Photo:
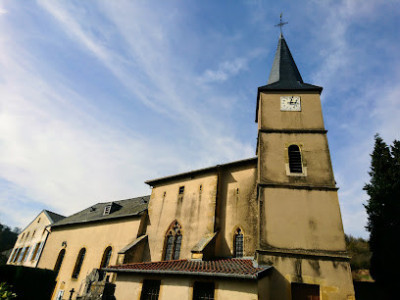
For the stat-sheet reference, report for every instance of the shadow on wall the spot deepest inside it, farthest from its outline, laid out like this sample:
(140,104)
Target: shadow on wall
(28,283)
(366,290)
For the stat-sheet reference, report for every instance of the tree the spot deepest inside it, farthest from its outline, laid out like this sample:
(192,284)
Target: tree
(358,250)
(5,291)
(383,209)
(7,241)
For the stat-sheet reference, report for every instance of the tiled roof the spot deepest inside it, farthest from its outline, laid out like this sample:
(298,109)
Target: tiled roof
(124,208)
(232,268)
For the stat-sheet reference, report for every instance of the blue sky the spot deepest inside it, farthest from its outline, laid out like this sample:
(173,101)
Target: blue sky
(98,96)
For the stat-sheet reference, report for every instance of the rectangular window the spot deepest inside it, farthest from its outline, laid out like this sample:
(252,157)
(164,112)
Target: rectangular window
(150,289)
(39,251)
(35,251)
(107,210)
(302,291)
(26,253)
(11,258)
(18,252)
(21,255)
(181,190)
(203,291)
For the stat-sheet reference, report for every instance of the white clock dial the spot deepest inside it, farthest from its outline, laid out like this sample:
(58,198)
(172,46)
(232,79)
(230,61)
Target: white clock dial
(290,103)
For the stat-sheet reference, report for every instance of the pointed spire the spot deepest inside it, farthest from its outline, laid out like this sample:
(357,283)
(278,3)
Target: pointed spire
(284,75)
(284,68)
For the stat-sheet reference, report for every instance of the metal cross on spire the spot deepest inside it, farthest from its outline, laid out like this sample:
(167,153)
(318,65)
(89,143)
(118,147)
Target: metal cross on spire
(281,23)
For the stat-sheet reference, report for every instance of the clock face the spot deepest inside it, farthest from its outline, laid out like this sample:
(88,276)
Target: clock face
(290,103)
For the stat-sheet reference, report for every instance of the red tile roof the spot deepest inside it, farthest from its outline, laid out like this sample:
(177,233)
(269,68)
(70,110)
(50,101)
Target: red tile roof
(236,268)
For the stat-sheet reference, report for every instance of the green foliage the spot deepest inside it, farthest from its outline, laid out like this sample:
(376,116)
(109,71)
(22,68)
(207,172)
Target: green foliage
(383,209)
(7,240)
(358,249)
(28,283)
(7,237)
(5,292)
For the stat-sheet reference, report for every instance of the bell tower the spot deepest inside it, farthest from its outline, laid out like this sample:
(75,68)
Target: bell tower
(300,226)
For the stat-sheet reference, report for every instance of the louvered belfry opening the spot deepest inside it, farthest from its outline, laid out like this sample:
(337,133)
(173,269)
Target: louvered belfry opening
(295,165)
(173,242)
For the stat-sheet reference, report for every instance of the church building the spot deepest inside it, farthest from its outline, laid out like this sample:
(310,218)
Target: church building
(266,227)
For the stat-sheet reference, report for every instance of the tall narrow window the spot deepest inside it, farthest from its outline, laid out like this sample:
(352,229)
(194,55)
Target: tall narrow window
(78,263)
(150,289)
(106,257)
(12,256)
(59,261)
(17,254)
(173,241)
(238,243)
(34,252)
(295,165)
(25,255)
(203,291)
(39,251)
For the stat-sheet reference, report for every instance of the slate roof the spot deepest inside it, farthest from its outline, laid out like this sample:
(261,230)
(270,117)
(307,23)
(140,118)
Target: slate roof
(285,75)
(53,216)
(192,173)
(232,268)
(94,213)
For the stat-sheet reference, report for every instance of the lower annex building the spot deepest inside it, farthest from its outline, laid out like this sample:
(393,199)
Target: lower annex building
(267,227)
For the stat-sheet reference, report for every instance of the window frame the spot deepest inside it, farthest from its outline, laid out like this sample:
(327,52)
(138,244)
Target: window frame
(287,160)
(147,286)
(238,232)
(78,263)
(59,261)
(173,242)
(197,285)
(107,253)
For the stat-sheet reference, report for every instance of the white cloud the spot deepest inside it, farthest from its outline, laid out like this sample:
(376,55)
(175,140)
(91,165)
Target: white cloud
(225,70)
(57,149)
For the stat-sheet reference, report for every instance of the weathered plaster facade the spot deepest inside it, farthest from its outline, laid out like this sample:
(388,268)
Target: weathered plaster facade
(30,243)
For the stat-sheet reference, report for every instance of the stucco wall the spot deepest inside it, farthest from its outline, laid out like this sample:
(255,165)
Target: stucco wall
(95,237)
(273,158)
(237,208)
(270,116)
(129,287)
(333,277)
(37,235)
(301,219)
(195,212)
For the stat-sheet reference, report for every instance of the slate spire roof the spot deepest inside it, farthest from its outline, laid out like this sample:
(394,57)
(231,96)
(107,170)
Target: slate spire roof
(284,68)
(285,75)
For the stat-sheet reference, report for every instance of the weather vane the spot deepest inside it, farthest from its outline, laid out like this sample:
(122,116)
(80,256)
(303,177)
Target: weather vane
(281,23)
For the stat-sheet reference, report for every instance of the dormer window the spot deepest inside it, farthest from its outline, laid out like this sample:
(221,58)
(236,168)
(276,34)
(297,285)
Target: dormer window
(110,208)
(107,210)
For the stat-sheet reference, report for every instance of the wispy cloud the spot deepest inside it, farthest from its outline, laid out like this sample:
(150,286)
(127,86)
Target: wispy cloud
(60,150)
(224,70)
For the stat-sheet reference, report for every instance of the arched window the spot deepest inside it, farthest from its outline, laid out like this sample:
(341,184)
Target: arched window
(173,240)
(78,263)
(295,164)
(106,257)
(59,261)
(238,241)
